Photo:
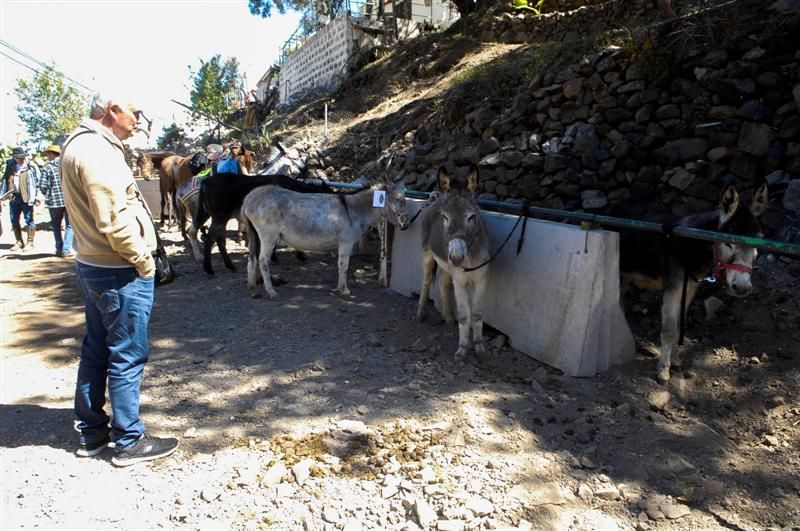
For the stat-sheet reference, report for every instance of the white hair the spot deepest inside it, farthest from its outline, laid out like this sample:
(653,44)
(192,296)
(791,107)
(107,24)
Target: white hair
(100,102)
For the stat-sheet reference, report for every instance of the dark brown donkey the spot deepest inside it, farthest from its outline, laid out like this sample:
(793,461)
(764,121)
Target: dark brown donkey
(656,262)
(454,236)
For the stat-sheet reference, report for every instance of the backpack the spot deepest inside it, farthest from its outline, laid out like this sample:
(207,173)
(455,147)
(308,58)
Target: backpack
(228,166)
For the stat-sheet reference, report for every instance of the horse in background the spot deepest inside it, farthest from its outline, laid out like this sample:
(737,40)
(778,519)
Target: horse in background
(677,265)
(454,236)
(174,171)
(141,163)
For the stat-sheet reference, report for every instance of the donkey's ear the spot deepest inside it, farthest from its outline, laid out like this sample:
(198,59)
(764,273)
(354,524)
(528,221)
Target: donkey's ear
(728,203)
(760,201)
(472,179)
(445,183)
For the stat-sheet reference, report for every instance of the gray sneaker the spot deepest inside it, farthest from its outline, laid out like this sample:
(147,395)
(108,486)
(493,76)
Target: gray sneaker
(146,448)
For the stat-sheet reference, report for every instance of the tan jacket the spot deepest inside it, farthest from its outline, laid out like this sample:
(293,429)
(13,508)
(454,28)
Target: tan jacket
(112,227)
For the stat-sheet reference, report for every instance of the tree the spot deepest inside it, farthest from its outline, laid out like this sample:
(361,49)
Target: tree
(312,10)
(48,106)
(216,85)
(171,135)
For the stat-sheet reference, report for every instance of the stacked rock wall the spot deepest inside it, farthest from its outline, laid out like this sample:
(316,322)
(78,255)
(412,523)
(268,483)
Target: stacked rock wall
(599,131)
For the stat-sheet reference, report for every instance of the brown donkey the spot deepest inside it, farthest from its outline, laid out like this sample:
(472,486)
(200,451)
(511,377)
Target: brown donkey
(454,236)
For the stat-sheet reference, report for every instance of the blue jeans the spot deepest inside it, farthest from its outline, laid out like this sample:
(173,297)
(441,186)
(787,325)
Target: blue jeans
(18,207)
(115,349)
(63,245)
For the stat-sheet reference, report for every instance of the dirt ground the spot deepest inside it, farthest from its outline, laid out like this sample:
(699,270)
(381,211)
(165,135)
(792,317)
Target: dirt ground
(317,411)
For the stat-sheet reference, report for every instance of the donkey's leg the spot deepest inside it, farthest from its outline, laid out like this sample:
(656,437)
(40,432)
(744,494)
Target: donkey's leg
(253,269)
(223,251)
(445,283)
(192,234)
(211,238)
(478,288)
(670,315)
(461,292)
(428,265)
(268,242)
(345,249)
(691,291)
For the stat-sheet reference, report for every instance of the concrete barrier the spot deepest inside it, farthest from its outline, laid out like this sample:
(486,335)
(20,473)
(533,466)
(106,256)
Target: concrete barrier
(557,301)
(152,195)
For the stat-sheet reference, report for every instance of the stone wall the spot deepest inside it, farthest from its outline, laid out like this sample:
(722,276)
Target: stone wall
(598,131)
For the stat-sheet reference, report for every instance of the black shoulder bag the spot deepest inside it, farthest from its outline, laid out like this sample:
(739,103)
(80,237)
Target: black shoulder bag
(165,272)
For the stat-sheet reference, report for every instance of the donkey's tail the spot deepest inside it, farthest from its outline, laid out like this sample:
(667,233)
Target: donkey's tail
(253,241)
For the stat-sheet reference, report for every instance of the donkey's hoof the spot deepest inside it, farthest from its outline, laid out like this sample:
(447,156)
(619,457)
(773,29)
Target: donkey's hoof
(256,294)
(271,293)
(461,354)
(480,349)
(663,374)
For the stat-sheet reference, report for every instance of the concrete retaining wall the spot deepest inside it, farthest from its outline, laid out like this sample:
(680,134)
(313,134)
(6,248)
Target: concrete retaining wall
(557,301)
(319,61)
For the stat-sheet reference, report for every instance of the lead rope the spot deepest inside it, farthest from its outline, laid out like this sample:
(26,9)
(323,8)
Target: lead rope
(468,269)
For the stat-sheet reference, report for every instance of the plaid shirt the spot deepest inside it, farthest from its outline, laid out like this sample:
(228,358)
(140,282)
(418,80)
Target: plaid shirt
(50,185)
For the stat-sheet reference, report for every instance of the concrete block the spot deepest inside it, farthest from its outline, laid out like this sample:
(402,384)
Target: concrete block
(152,195)
(558,300)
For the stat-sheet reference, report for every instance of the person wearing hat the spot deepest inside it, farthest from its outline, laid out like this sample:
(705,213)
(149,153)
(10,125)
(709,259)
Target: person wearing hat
(21,185)
(114,243)
(214,153)
(50,187)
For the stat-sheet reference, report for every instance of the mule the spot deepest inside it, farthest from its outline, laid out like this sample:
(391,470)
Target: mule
(661,263)
(454,236)
(174,171)
(314,223)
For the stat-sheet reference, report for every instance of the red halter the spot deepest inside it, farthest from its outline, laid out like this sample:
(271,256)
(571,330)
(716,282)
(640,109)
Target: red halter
(720,266)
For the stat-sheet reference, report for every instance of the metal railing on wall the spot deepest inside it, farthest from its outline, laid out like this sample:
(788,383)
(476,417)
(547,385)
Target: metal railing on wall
(592,220)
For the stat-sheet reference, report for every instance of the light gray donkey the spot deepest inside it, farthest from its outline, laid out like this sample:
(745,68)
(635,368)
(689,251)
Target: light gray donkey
(454,236)
(314,223)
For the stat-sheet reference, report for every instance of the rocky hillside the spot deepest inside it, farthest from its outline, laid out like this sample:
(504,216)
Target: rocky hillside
(583,106)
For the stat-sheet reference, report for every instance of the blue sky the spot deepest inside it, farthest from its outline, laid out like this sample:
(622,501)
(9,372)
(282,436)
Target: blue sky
(142,48)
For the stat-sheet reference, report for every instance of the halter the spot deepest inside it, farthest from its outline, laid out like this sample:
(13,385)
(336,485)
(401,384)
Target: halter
(720,266)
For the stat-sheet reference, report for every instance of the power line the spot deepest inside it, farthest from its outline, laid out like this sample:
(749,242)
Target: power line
(44,74)
(36,61)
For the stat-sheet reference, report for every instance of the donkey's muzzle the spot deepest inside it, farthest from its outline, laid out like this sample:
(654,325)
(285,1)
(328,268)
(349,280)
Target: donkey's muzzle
(456,251)
(403,221)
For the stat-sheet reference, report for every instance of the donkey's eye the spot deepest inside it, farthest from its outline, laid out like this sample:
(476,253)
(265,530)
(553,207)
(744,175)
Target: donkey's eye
(471,217)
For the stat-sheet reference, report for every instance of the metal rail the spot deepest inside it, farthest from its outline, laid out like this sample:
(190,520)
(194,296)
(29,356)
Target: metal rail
(784,248)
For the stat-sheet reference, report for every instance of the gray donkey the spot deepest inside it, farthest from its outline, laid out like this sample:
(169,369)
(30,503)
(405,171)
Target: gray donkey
(454,236)
(315,223)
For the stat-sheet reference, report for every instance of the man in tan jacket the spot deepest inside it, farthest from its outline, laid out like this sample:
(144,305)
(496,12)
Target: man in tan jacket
(114,240)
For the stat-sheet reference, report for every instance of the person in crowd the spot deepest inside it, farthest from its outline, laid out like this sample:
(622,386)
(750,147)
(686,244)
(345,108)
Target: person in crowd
(50,187)
(214,152)
(114,243)
(21,187)
(229,162)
